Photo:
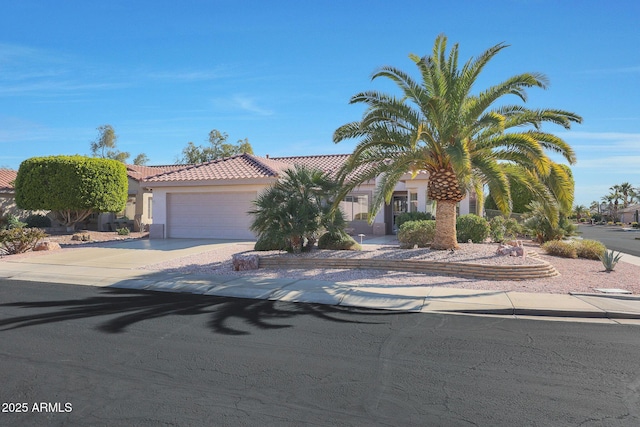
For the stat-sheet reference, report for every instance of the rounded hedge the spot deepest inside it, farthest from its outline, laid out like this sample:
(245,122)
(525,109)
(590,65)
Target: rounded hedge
(338,241)
(420,233)
(71,182)
(472,227)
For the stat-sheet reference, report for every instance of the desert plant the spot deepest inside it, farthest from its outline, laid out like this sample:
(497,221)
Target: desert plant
(472,227)
(38,221)
(412,216)
(610,259)
(338,241)
(296,209)
(19,240)
(542,228)
(124,231)
(560,248)
(417,233)
(12,221)
(590,249)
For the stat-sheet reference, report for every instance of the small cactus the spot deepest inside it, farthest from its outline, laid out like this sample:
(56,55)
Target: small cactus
(610,259)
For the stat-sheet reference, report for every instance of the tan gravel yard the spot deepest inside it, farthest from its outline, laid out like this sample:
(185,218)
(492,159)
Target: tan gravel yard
(576,275)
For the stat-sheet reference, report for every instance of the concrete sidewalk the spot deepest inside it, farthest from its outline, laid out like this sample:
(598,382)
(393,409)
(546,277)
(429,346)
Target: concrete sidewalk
(80,267)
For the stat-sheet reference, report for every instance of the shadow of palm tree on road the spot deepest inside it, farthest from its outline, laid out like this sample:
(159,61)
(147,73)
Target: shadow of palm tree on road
(127,307)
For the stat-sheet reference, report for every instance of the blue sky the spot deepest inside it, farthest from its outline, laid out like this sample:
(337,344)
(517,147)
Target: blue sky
(281,73)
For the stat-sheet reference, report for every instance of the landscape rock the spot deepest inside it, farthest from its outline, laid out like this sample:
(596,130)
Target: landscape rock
(242,262)
(514,248)
(47,246)
(85,237)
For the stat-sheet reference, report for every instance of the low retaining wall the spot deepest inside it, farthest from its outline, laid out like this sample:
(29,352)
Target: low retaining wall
(457,269)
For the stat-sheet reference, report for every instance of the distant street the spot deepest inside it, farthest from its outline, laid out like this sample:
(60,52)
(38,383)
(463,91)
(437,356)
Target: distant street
(613,238)
(77,356)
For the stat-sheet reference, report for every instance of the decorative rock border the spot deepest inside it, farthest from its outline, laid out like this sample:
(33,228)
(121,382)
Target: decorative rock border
(457,269)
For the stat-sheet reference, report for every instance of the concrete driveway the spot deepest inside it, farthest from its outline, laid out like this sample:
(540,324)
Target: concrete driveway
(103,264)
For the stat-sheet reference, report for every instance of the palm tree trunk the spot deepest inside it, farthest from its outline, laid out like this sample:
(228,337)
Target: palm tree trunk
(445,237)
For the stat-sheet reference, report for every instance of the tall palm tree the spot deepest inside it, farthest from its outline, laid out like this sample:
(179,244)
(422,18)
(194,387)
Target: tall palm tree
(627,192)
(580,210)
(459,138)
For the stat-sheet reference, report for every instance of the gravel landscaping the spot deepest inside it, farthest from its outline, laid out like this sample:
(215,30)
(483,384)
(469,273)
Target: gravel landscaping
(576,275)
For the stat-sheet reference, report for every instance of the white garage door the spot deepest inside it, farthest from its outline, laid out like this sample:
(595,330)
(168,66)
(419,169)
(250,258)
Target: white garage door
(209,215)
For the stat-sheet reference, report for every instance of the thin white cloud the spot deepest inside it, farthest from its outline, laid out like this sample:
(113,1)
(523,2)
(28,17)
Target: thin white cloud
(192,75)
(625,164)
(603,141)
(242,103)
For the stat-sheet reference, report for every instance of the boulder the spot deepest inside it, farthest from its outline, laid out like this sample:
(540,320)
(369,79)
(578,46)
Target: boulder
(243,262)
(514,248)
(84,237)
(46,246)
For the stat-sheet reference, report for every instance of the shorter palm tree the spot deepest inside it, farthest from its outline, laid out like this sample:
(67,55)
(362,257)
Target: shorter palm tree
(579,211)
(296,209)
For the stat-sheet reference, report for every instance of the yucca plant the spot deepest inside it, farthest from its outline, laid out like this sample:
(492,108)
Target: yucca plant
(610,259)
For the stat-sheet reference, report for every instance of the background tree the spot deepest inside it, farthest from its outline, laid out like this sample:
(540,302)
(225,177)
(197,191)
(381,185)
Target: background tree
(141,159)
(105,147)
(459,138)
(72,187)
(218,148)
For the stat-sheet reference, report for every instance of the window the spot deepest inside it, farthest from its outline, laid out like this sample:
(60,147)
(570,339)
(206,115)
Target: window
(356,207)
(150,210)
(430,205)
(413,202)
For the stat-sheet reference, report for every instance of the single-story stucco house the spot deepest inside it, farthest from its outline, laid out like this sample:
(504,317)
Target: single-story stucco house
(8,193)
(211,200)
(629,214)
(138,209)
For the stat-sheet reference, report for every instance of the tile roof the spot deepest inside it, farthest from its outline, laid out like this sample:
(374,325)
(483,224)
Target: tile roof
(140,173)
(330,163)
(235,167)
(6,177)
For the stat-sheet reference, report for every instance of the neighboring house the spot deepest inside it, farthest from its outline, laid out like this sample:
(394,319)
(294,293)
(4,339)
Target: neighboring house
(211,200)
(629,214)
(8,193)
(138,210)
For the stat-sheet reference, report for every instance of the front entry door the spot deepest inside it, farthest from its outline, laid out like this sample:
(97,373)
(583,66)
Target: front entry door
(398,206)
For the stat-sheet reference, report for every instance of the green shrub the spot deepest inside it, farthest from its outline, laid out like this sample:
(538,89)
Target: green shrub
(338,241)
(590,249)
(497,229)
(560,248)
(38,221)
(124,231)
(412,216)
(72,187)
(472,227)
(635,225)
(420,233)
(19,240)
(267,243)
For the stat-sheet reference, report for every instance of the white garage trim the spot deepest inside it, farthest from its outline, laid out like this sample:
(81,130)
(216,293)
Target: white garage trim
(221,215)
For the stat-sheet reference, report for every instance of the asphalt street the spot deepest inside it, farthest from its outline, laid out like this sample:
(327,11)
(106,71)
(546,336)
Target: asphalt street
(613,237)
(75,355)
